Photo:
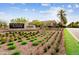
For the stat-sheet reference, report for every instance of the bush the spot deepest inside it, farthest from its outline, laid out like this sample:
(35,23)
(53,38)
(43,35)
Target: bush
(16,53)
(11,47)
(2,42)
(35,38)
(11,40)
(3,39)
(10,43)
(23,43)
(35,43)
(31,40)
(39,41)
(32,37)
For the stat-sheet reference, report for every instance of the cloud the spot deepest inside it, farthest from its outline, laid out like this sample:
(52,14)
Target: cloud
(72,18)
(70,10)
(4,16)
(14,7)
(69,6)
(76,5)
(23,3)
(45,4)
(51,13)
(2,13)
(43,12)
(33,10)
(63,5)
(12,3)
(25,9)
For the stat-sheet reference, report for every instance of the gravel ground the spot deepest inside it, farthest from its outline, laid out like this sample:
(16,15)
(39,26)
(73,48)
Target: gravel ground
(75,31)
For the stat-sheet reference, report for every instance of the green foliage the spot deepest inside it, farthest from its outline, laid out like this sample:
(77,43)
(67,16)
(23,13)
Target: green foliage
(71,45)
(35,43)
(19,20)
(74,24)
(3,40)
(62,17)
(37,23)
(3,24)
(39,41)
(31,40)
(35,38)
(11,47)
(23,43)
(16,53)
(10,43)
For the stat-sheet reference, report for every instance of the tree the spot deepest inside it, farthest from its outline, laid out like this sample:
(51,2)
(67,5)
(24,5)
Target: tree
(37,23)
(19,20)
(73,24)
(62,17)
(3,24)
(77,22)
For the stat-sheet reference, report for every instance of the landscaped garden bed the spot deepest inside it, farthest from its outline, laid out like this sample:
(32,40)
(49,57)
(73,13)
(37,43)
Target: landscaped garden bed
(31,42)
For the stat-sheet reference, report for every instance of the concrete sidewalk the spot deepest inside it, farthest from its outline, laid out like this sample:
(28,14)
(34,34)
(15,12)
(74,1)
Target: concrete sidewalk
(74,32)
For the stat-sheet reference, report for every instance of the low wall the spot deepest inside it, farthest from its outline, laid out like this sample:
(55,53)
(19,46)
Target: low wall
(13,30)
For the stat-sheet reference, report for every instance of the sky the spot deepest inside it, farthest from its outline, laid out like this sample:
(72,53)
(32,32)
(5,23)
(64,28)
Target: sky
(38,11)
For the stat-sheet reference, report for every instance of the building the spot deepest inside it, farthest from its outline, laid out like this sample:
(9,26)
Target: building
(50,23)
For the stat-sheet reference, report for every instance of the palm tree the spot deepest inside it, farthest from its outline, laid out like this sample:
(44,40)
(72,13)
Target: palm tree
(62,17)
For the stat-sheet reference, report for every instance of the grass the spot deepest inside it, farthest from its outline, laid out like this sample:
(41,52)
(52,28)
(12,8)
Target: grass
(71,45)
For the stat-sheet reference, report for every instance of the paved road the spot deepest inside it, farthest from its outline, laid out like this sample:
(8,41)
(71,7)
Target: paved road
(74,31)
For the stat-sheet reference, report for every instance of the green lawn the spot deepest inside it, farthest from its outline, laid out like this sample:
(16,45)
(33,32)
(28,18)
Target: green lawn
(71,45)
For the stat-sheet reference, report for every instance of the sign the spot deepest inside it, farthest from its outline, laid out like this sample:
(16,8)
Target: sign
(16,25)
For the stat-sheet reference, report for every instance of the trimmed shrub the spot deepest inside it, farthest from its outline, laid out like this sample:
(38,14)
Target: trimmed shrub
(11,47)
(32,37)
(39,41)
(10,43)
(16,53)
(3,40)
(32,40)
(35,38)
(35,43)
(23,43)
